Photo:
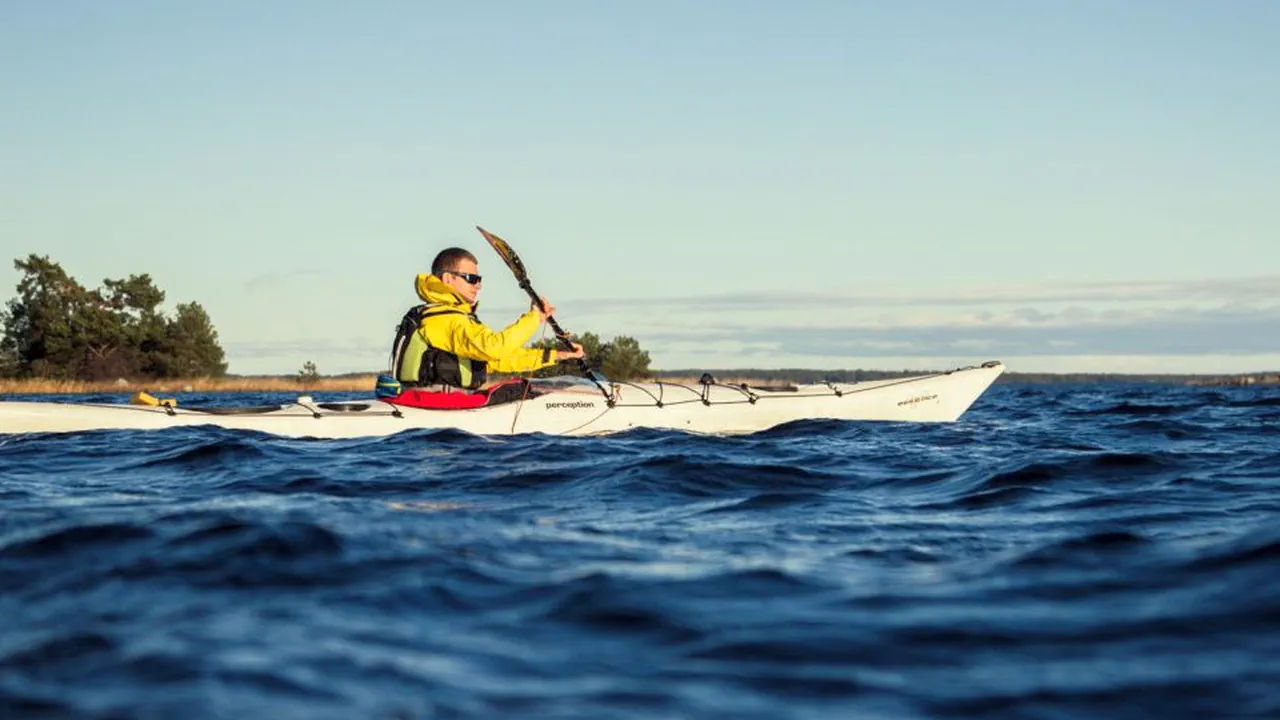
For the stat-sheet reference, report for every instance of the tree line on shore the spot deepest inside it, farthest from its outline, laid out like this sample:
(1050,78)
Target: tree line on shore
(58,329)
(620,359)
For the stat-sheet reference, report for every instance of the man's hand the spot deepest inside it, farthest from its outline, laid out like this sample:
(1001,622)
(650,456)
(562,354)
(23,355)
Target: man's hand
(544,310)
(576,353)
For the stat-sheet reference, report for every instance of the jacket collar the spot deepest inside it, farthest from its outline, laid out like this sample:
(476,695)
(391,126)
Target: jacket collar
(433,290)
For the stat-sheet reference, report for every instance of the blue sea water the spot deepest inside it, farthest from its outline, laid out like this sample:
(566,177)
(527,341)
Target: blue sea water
(1061,552)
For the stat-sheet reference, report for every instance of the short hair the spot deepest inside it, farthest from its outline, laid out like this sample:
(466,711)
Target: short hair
(448,259)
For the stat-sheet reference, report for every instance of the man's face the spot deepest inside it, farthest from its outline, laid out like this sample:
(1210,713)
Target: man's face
(458,276)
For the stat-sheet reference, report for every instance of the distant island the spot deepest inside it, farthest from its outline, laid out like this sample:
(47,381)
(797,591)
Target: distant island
(801,375)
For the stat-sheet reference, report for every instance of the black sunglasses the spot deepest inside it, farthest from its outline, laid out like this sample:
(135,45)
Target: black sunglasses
(471,278)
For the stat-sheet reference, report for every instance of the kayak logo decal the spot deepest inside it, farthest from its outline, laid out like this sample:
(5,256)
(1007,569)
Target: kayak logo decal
(918,399)
(570,405)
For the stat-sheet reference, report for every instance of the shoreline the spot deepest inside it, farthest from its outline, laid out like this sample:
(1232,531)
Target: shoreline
(187,385)
(365,383)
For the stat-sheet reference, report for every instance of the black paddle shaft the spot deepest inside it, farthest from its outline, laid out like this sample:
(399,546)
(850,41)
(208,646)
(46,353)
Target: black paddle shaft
(517,268)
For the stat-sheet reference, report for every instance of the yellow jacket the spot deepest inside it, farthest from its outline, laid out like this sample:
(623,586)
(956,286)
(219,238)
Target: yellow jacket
(463,335)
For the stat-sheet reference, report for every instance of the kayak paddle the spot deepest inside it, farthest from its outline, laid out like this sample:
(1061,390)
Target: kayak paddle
(512,260)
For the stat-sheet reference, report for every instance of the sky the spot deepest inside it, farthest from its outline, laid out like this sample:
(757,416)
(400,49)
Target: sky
(1089,186)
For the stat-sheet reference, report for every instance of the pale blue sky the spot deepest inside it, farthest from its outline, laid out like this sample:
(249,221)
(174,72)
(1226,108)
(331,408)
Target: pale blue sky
(1061,185)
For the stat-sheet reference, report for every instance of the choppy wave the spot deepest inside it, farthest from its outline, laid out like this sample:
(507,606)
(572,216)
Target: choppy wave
(1060,552)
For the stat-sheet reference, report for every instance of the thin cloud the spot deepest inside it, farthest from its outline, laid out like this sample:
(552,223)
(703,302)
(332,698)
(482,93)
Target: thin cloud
(1254,289)
(304,349)
(1186,332)
(259,283)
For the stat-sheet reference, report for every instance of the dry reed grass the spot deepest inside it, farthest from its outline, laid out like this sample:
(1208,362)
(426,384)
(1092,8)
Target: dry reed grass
(201,385)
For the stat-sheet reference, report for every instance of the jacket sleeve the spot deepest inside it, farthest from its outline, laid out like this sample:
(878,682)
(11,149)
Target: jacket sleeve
(504,351)
(523,360)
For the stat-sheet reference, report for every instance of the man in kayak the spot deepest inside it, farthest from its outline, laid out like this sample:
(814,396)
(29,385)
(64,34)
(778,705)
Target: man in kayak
(441,344)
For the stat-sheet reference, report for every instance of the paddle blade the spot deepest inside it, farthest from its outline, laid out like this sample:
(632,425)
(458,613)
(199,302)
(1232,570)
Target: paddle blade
(505,252)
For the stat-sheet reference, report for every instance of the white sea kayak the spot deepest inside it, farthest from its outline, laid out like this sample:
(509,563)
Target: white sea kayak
(558,408)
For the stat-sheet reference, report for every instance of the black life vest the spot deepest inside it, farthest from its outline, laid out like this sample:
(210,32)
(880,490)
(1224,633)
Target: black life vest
(415,363)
